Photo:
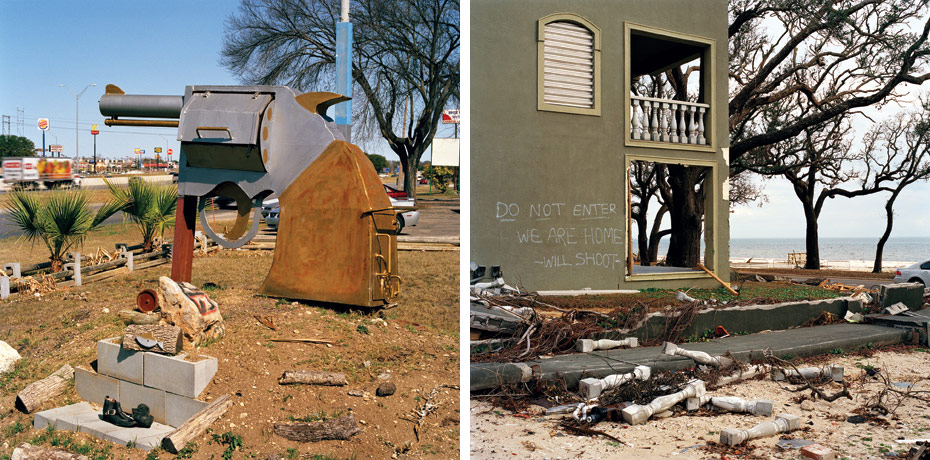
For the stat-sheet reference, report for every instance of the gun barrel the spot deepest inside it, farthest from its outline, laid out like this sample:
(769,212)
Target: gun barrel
(141,106)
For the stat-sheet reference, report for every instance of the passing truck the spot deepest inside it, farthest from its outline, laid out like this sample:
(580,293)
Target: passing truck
(29,172)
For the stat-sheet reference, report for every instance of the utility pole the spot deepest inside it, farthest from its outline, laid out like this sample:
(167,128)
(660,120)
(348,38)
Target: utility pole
(344,71)
(77,150)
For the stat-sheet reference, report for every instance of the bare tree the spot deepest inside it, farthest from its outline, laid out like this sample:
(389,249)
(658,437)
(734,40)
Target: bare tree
(405,59)
(898,149)
(819,163)
(644,188)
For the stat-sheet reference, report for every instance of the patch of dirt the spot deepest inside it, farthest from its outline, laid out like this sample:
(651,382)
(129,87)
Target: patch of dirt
(415,346)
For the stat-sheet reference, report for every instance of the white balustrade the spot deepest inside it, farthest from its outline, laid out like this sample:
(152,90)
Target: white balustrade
(665,120)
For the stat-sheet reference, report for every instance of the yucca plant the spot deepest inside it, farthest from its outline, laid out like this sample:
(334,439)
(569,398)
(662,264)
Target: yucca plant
(150,206)
(62,220)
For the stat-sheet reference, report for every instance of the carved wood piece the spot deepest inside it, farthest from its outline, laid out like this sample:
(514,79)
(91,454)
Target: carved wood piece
(341,428)
(196,425)
(169,338)
(38,392)
(732,404)
(311,377)
(782,424)
(831,371)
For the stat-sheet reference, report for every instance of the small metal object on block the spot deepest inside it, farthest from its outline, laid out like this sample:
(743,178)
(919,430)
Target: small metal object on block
(147,300)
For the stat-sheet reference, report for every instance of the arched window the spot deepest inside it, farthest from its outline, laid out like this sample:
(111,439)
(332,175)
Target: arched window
(569,55)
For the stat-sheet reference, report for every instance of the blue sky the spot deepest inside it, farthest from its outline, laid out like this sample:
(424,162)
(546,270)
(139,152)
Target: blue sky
(144,47)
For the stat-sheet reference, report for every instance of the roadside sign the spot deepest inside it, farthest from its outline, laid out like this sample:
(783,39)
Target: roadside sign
(169,152)
(451,116)
(43,124)
(55,148)
(157,149)
(137,152)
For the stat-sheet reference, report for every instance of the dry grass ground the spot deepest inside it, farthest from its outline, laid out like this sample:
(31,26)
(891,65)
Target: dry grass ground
(418,345)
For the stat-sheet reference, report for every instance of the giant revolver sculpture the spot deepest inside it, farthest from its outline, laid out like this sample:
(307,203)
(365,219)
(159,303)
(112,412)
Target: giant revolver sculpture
(336,238)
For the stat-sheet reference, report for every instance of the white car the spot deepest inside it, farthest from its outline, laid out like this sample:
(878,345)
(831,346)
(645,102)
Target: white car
(271,211)
(268,206)
(406,216)
(271,219)
(917,273)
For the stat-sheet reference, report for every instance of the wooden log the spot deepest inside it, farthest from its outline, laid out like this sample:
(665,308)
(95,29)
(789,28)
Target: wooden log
(26,451)
(341,428)
(311,377)
(38,392)
(321,341)
(135,317)
(722,283)
(169,338)
(196,425)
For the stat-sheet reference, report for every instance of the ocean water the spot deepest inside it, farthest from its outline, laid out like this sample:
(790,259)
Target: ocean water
(912,249)
(896,249)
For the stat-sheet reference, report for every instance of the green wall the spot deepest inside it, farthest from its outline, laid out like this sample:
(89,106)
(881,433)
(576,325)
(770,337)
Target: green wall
(548,189)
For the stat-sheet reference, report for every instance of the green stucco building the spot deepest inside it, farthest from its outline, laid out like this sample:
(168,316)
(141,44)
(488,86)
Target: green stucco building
(556,126)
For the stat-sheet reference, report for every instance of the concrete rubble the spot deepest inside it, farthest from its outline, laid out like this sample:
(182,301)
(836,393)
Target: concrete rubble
(8,357)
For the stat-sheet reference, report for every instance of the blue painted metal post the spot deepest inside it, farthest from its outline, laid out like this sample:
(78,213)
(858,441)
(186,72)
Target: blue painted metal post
(43,143)
(343,115)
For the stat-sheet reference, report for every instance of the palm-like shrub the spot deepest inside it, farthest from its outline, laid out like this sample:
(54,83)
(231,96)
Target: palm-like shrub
(151,207)
(62,220)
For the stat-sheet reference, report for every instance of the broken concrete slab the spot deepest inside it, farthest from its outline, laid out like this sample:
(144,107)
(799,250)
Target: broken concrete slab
(910,294)
(82,417)
(818,452)
(793,343)
(896,309)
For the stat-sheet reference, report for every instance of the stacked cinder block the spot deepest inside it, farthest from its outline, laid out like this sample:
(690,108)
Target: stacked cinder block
(167,384)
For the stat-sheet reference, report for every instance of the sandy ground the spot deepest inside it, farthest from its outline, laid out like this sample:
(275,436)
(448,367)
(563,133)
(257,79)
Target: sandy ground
(497,433)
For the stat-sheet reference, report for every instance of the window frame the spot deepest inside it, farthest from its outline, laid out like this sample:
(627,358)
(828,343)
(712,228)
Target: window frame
(708,75)
(711,226)
(541,103)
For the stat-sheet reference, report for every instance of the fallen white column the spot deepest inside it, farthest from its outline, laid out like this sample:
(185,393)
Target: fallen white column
(748,373)
(782,424)
(587,345)
(810,373)
(699,356)
(636,414)
(591,388)
(732,404)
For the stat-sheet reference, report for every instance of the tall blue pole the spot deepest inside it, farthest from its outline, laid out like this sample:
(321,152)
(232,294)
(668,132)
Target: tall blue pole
(43,143)
(343,115)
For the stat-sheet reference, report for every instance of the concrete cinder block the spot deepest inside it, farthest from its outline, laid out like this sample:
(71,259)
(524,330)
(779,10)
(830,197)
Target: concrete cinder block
(141,438)
(51,416)
(93,387)
(180,408)
(175,374)
(114,361)
(818,452)
(76,422)
(910,294)
(131,395)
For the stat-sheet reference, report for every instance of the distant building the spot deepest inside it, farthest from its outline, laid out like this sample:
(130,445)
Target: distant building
(560,115)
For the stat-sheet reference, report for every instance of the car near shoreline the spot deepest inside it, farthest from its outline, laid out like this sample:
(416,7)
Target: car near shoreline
(917,273)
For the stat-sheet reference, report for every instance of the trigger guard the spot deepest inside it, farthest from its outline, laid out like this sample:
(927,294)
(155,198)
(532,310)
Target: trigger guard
(256,214)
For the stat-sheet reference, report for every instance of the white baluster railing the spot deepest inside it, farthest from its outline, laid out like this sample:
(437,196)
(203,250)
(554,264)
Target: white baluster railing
(664,120)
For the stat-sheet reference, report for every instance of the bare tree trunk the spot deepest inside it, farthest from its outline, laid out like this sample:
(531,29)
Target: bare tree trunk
(642,239)
(811,238)
(889,222)
(410,176)
(686,211)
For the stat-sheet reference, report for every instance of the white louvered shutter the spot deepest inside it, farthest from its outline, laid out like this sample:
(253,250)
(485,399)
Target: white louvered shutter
(568,65)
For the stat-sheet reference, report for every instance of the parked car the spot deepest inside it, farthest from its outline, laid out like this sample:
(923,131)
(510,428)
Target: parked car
(268,206)
(273,214)
(394,193)
(406,216)
(424,180)
(917,273)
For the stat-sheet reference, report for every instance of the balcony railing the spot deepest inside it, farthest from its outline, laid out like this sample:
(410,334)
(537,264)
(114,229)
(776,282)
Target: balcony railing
(666,120)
